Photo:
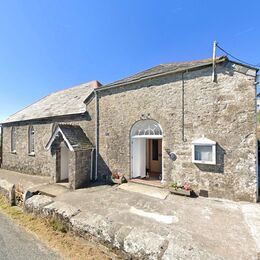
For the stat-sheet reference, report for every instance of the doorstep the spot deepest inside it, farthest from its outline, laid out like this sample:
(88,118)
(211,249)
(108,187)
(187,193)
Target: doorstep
(147,190)
(153,183)
(51,190)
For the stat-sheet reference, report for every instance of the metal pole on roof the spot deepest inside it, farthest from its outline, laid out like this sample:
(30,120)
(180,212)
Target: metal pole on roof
(214,62)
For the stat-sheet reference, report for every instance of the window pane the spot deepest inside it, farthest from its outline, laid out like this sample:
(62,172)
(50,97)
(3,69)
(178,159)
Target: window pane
(31,140)
(155,149)
(146,127)
(203,153)
(13,139)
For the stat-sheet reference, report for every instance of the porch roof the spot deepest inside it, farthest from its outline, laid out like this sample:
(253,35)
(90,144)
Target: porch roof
(73,136)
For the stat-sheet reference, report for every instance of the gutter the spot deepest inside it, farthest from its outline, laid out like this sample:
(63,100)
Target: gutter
(43,119)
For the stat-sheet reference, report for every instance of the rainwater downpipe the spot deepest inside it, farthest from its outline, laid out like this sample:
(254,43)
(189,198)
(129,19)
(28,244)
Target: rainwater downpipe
(97,135)
(1,145)
(92,165)
(257,84)
(183,109)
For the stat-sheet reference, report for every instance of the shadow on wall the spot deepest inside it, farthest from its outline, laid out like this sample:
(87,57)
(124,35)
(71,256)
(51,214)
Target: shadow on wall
(104,173)
(220,162)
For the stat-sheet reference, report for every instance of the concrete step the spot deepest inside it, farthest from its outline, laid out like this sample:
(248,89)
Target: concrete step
(147,190)
(51,190)
(153,183)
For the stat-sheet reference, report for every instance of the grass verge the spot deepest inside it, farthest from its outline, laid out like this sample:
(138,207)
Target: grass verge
(56,236)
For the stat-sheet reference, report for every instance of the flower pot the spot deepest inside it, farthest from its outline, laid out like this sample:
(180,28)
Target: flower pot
(180,191)
(116,181)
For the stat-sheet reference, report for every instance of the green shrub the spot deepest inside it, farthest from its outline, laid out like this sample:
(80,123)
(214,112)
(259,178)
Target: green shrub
(58,225)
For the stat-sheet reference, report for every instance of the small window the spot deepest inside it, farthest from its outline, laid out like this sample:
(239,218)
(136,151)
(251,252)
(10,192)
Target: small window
(155,149)
(13,140)
(204,151)
(31,140)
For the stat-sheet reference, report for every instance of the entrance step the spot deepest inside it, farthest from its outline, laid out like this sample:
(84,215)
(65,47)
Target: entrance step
(153,183)
(147,190)
(52,190)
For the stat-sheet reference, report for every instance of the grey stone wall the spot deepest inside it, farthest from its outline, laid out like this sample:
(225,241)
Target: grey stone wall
(224,112)
(43,162)
(79,169)
(83,168)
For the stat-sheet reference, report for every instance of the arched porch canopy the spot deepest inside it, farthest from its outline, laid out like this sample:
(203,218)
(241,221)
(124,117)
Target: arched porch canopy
(147,128)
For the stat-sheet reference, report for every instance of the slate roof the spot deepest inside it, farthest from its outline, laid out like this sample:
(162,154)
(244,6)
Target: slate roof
(65,102)
(164,69)
(74,135)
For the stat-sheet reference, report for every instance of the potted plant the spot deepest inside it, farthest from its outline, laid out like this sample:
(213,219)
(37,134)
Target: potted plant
(180,189)
(118,178)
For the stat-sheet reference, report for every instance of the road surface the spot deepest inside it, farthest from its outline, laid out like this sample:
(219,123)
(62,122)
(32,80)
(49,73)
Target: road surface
(16,243)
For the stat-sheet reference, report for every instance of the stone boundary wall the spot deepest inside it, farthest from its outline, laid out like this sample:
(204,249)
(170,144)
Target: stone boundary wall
(7,189)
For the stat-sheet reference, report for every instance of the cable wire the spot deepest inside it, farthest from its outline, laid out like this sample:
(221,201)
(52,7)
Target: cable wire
(229,54)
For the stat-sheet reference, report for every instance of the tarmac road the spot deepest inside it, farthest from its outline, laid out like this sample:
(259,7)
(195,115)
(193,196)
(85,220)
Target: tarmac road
(16,243)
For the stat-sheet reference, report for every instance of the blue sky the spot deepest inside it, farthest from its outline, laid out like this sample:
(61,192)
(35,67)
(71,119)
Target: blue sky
(48,45)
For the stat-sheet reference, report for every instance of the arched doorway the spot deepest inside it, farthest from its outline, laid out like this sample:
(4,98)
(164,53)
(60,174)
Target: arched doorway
(146,150)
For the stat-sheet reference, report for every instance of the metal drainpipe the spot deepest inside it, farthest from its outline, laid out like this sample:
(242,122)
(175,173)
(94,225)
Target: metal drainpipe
(183,111)
(1,150)
(97,135)
(91,166)
(257,162)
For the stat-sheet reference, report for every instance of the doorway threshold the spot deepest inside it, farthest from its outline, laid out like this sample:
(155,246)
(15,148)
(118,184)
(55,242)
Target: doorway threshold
(148,182)
(65,184)
(151,191)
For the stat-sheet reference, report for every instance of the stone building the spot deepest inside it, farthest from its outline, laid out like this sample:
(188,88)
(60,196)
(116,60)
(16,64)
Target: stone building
(170,123)
(53,137)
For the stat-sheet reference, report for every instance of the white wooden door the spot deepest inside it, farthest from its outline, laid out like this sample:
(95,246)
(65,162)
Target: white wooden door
(64,173)
(138,157)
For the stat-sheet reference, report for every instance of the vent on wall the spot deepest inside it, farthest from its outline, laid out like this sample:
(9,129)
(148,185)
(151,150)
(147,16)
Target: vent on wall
(204,193)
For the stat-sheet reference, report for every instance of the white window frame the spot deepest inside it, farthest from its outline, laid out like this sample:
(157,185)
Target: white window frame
(31,132)
(204,142)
